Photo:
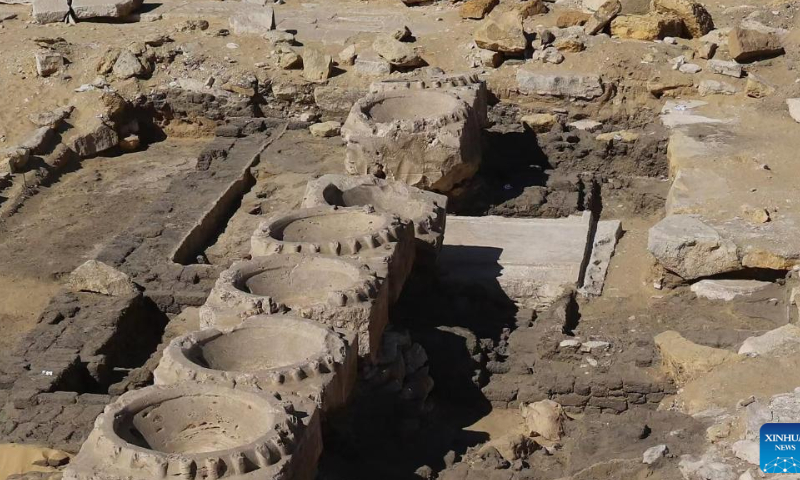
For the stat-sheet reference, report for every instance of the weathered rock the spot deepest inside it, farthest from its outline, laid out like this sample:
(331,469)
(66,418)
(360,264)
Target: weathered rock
(530,8)
(705,50)
(622,136)
(52,118)
(722,67)
(654,454)
(503,33)
(540,122)
(747,45)
(569,44)
(254,22)
(14,160)
(336,100)
(93,138)
(50,11)
(316,65)
(372,64)
(746,450)
(489,58)
(86,9)
(325,129)
(771,341)
(278,37)
(694,15)
(758,87)
(727,290)
(691,68)
(794,108)
(40,141)
(513,446)
(586,125)
(572,18)
(477,9)
(548,55)
(128,65)
(603,16)
(705,468)
(684,361)
(97,277)
(48,62)
(544,419)
(397,53)
(653,26)
(586,87)
(713,87)
(402,34)
(348,55)
(290,60)
(691,249)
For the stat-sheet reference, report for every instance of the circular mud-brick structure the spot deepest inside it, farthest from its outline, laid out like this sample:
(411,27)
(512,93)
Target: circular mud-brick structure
(383,240)
(192,431)
(281,354)
(337,291)
(426,138)
(426,210)
(467,86)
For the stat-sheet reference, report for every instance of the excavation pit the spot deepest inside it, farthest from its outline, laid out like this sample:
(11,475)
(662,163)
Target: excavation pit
(382,240)
(426,210)
(426,138)
(281,354)
(336,291)
(198,431)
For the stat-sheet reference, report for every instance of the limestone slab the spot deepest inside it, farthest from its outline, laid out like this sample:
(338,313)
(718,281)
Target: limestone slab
(531,260)
(603,245)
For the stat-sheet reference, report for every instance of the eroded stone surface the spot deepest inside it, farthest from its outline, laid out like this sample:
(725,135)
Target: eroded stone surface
(279,353)
(339,292)
(193,431)
(427,139)
(427,210)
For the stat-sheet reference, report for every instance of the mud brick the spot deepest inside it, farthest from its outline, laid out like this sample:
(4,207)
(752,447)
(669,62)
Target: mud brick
(94,399)
(61,434)
(51,318)
(73,411)
(655,397)
(22,415)
(589,410)
(24,397)
(638,386)
(163,300)
(48,413)
(531,393)
(615,404)
(636,398)
(89,414)
(610,383)
(498,391)
(23,432)
(582,386)
(190,299)
(571,399)
(563,384)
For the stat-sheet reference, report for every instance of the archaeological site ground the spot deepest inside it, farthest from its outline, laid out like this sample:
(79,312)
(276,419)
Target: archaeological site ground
(398,239)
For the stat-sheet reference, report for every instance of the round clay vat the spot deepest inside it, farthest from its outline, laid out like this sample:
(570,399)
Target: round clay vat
(263,351)
(193,431)
(329,230)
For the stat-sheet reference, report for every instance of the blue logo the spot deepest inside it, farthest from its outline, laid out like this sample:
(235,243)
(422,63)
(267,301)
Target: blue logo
(780,448)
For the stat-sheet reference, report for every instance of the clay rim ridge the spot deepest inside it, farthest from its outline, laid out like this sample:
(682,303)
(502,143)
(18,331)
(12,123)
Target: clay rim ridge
(365,287)
(179,352)
(444,81)
(271,450)
(430,222)
(263,241)
(360,113)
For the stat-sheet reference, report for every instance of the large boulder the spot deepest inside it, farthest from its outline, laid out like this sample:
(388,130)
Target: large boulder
(684,360)
(97,277)
(503,33)
(686,246)
(694,15)
(747,45)
(316,65)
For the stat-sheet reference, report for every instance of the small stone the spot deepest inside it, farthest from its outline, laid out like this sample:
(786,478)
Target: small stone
(755,214)
(569,44)
(127,66)
(402,34)
(602,17)
(477,9)
(371,64)
(757,87)
(569,345)
(530,8)
(747,45)
(502,34)
(14,160)
(489,58)
(586,125)
(705,50)
(348,55)
(713,87)
(690,68)
(396,52)
(316,65)
(130,143)
(255,22)
(595,347)
(722,67)
(548,55)
(94,276)
(290,60)
(48,63)
(794,108)
(540,122)
(277,37)
(622,136)
(654,454)
(325,129)
(572,18)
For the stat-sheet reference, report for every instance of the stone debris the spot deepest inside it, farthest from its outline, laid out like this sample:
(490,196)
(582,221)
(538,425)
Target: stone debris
(603,16)
(586,87)
(397,53)
(371,64)
(727,290)
(502,33)
(694,15)
(654,454)
(325,129)
(684,361)
(652,26)
(256,22)
(348,55)
(477,9)
(758,87)
(316,65)
(722,67)
(94,276)
(747,45)
(714,87)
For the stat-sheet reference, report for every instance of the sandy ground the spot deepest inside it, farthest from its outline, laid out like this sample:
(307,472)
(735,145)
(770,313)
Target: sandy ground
(25,458)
